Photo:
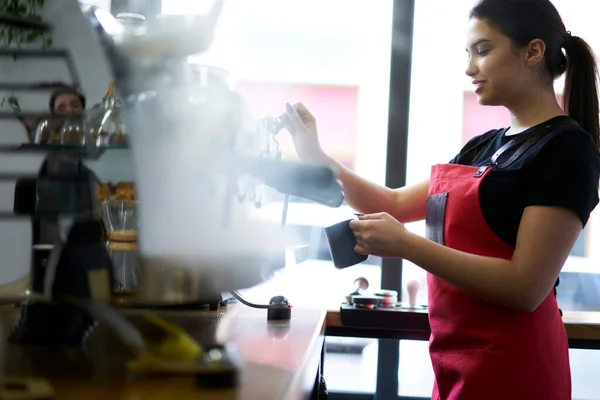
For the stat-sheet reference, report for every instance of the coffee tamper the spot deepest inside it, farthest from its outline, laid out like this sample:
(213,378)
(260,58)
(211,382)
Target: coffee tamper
(412,287)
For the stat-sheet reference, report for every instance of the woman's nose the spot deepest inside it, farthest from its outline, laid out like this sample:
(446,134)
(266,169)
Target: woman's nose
(471,69)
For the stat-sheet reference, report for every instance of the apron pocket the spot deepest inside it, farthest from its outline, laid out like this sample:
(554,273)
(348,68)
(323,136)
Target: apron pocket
(434,219)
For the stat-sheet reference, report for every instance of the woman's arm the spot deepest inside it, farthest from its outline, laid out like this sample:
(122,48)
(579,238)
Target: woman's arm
(545,239)
(406,204)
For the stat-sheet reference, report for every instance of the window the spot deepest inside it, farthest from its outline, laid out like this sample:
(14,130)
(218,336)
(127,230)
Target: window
(334,56)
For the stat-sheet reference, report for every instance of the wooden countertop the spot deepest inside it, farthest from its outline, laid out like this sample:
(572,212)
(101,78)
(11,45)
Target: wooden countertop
(280,360)
(580,325)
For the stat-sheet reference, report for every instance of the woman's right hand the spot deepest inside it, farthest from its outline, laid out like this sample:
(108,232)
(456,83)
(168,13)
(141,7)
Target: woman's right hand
(303,127)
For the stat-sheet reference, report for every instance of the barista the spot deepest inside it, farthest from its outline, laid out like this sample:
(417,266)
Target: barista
(63,101)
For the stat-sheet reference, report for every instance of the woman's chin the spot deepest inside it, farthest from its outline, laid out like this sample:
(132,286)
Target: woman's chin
(486,101)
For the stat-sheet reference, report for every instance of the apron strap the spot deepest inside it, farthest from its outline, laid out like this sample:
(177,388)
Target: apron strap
(483,139)
(525,142)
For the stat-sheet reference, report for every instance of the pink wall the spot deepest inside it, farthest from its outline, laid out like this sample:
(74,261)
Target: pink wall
(335,108)
(478,119)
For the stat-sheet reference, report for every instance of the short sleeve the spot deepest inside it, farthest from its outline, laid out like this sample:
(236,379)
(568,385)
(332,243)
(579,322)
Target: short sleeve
(565,173)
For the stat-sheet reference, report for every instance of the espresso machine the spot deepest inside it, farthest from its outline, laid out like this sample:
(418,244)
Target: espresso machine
(196,150)
(199,158)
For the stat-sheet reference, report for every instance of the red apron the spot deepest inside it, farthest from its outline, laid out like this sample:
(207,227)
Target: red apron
(482,351)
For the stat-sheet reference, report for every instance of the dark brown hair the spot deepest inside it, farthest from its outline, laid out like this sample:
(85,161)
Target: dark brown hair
(62,88)
(525,20)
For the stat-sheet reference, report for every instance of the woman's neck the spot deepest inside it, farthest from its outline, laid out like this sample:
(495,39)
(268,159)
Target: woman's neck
(539,106)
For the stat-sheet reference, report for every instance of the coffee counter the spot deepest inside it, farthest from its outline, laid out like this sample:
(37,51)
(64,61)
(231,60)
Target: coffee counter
(583,327)
(280,360)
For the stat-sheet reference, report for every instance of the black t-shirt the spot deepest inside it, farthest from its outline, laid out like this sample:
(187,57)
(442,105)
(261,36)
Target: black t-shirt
(558,170)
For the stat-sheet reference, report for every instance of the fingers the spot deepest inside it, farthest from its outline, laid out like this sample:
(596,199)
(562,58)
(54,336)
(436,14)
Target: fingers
(366,217)
(361,250)
(359,229)
(355,225)
(294,118)
(303,112)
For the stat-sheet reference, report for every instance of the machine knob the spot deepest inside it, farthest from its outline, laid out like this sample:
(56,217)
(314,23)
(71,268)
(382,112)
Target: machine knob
(283,309)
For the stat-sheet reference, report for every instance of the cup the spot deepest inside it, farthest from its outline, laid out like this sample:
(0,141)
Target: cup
(341,243)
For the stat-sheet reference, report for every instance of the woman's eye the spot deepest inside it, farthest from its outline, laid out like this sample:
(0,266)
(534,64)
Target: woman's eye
(482,52)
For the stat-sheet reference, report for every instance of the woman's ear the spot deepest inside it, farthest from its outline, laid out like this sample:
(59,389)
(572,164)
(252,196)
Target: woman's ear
(535,51)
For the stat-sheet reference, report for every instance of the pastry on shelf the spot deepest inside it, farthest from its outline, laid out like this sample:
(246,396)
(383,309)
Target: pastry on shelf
(103,191)
(124,191)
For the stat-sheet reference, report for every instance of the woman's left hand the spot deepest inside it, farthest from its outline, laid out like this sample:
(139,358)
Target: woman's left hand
(380,235)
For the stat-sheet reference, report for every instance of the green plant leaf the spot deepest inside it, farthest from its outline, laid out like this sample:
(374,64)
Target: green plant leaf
(13,103)
(33,36)
(16,37)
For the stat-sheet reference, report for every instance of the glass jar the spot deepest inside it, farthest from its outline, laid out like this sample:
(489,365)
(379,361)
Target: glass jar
(107,125)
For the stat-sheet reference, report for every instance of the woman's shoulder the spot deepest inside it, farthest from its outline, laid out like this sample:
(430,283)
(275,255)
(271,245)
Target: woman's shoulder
(569,141)
(565,171)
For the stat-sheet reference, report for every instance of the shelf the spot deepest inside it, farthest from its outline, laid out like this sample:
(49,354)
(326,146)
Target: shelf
(23,23)
(54,53)
(82,151)
(9,215)
(47,147)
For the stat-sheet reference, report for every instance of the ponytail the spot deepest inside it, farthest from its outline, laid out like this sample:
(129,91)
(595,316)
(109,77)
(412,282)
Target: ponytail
(581,90)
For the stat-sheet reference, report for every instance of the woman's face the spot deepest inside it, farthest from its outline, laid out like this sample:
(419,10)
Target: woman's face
(499,72)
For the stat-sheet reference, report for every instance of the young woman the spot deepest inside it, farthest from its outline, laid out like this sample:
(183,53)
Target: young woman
(502,216)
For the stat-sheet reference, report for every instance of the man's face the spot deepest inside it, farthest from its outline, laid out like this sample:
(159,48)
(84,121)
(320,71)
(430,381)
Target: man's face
(67,103)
